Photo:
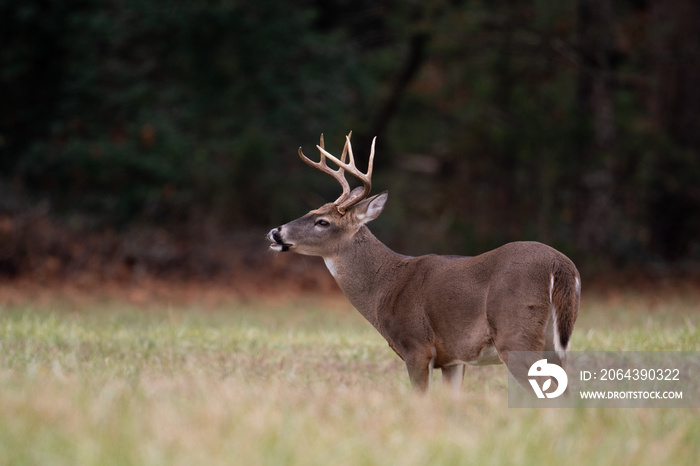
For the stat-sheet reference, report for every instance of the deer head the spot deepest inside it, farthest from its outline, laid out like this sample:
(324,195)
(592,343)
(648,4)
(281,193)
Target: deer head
(323,231)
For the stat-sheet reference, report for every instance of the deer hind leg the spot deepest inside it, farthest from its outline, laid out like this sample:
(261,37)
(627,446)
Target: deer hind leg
(528,336)
(519,366)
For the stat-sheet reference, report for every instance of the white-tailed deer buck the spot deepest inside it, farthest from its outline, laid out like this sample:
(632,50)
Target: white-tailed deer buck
(437,311)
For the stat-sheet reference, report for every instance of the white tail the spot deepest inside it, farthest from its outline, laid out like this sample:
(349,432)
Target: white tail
(438,311)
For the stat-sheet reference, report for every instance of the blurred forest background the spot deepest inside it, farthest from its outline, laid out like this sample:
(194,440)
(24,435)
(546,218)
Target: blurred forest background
(159,138)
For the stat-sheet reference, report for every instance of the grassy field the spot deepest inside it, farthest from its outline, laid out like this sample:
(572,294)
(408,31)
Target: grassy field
(302,383)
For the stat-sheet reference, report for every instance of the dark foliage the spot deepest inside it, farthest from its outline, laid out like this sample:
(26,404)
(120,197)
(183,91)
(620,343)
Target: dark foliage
(573,123)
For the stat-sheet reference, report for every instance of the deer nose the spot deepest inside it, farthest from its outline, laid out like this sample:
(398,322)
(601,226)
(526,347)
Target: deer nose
(275,237)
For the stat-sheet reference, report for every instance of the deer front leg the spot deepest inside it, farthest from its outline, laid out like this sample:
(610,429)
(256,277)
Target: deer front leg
(420,367)
(452,378)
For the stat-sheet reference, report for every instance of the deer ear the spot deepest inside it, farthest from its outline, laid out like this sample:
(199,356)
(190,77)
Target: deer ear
(354,194)
(369,209)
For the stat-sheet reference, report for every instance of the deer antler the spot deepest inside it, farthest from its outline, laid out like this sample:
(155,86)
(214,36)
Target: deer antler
(338,174)
(345,201)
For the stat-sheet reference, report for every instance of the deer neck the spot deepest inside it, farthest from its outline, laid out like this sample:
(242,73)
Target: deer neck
(363,268)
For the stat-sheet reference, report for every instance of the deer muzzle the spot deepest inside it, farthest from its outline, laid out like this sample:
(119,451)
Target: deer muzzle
(278,244)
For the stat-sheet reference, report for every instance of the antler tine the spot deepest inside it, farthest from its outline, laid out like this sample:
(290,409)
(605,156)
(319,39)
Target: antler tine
(370,165)
(338,175)
(365,178)
(348,149)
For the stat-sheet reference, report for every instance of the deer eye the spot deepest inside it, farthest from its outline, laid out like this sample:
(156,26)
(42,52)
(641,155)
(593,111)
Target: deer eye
(322,223)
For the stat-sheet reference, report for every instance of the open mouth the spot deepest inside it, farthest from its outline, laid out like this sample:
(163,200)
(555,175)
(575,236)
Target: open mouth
(280,247)
(276,239)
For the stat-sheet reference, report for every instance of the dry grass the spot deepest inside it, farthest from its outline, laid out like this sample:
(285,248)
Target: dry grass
(305,382)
